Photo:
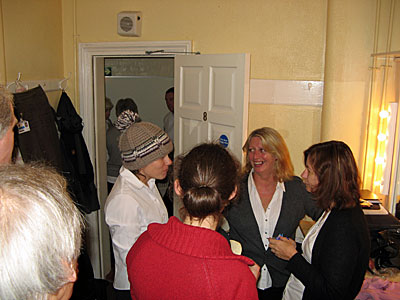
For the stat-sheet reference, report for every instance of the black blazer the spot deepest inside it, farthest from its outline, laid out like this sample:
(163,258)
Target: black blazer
(296,203)
(339,258)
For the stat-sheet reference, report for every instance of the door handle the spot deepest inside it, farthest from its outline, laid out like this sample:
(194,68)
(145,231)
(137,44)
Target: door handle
(204,116)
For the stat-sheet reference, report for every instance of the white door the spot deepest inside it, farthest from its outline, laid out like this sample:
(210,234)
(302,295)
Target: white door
(211,100)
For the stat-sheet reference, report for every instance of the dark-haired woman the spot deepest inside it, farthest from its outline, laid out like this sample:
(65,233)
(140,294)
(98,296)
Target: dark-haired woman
(189,260)
(336,249)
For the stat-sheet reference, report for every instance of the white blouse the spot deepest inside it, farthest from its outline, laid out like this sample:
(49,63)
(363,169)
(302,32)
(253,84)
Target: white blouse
(266,220)
(129,209)
(294,288)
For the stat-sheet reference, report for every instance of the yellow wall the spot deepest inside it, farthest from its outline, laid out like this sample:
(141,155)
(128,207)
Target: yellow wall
(350,40)
(286,41)
(32,40)
(290,121)
(328,40)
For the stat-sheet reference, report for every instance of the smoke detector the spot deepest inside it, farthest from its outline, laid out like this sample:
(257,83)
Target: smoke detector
(130,23)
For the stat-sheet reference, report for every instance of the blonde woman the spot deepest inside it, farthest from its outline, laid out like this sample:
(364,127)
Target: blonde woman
(272,202)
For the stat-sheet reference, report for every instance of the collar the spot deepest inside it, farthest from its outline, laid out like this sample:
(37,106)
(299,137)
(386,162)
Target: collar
(136,182)
(192,240)
(252,185)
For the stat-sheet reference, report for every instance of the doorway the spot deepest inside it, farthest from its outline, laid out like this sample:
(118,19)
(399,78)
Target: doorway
(144,80)
(213,91)
(92,94)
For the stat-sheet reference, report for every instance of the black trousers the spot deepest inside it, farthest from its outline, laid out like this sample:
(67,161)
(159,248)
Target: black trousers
(122,294)
(272,293)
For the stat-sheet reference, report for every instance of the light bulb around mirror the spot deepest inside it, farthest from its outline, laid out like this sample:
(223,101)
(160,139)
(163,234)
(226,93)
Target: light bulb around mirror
(384,114)
(381,137)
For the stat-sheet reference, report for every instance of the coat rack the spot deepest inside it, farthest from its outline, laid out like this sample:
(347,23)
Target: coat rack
(49,85)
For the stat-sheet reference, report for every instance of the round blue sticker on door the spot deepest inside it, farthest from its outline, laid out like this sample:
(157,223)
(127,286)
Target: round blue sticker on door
(223,140)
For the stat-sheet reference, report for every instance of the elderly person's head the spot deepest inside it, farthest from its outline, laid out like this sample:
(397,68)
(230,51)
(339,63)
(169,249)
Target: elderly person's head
(206,180)
(331,174)
(40,234)
(109,107)
(7,123)
(273,143)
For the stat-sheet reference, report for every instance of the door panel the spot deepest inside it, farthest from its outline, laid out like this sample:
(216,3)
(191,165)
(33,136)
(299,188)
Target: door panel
(191,78)
(191,133)
(211,100)
(222,84)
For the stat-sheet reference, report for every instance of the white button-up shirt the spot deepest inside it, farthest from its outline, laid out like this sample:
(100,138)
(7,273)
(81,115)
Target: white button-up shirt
(266,220)
(295,288)
(169,125)
(129,209)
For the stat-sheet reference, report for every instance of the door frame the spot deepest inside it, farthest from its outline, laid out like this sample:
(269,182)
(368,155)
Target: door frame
(87,52)
(111,49)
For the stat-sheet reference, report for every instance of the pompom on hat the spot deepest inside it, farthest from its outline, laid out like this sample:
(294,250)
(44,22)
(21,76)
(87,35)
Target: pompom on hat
(141,143)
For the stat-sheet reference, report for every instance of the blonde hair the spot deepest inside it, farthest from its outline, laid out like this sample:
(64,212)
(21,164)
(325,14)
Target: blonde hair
(274,144)
(40,232)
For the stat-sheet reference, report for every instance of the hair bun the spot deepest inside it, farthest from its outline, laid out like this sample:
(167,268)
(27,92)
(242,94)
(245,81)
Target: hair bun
(203,189)
(126,119)
(201,201)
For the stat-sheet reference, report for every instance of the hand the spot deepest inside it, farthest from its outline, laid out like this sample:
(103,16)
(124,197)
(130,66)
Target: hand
(283,248)
(255,269)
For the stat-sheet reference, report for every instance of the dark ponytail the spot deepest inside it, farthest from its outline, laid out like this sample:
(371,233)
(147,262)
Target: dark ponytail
(208,175)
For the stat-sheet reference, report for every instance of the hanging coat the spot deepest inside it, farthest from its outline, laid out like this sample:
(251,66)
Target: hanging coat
(39,141)
(82,176)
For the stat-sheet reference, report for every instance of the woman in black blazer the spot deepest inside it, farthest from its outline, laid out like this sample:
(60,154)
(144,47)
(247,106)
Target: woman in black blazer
(335,252)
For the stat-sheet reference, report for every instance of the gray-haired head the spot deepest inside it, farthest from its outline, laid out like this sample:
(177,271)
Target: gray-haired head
(108,103)
(40,234)
(6,110)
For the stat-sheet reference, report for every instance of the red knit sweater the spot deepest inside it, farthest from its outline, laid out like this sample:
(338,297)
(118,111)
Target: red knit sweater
(179,261)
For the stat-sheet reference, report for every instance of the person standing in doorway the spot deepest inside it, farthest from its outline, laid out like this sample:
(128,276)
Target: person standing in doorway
(169,117)
(134,201)
(109,107)
(169,129)
(114,161)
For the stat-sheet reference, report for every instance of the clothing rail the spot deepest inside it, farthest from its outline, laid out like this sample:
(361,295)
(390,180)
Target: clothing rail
(49,85)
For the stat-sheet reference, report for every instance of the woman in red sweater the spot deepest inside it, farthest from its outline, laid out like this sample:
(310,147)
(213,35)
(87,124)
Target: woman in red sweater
(189,260)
